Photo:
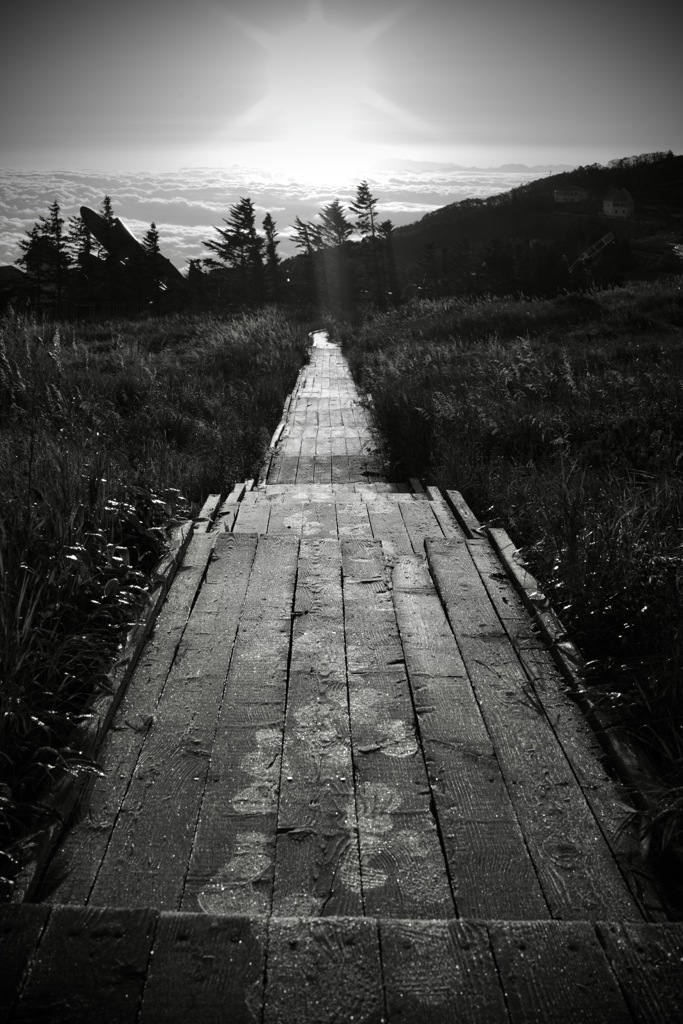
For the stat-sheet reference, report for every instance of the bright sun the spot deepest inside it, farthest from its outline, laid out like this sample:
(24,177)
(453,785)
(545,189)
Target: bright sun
(317,98)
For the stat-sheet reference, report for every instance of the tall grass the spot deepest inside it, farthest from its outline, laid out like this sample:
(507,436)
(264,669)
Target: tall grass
(108,434)
(562,420)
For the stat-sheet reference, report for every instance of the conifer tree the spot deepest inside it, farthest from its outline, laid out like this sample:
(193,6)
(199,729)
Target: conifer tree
(365,208)
(240,247)
(272,257)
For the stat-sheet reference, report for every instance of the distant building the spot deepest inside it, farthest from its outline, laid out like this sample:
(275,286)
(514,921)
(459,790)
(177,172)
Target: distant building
(618,203)
(570,195)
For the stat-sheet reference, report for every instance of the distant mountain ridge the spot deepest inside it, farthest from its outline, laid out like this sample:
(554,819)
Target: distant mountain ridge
(430,166)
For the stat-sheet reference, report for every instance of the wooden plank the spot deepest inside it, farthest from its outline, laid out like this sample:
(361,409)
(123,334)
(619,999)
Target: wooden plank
(417,487)
(21,927)
(388,526)
(305,471)
(317,867)
(420,522)
(205,968)
(606,798)
(208,511)
(147,857)
(556,971)
(647,960)
(286,517)
(491,871)
(447,521)
(464,514)
(252,517)
(440,972)
(577,871)
(402,863)
(320,519)
(236,494)
(322,970)
(353,519)
(73,870)
(232,864)
(90,966)
(225,520)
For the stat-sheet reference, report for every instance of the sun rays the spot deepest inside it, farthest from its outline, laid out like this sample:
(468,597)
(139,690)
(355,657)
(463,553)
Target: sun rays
(321,108)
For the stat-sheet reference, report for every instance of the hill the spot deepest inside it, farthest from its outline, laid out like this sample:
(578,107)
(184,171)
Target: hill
(531,223)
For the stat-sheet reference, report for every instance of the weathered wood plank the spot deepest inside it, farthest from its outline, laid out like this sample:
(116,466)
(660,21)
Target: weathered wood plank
(73,870)
(252,516)
(21,927)
(232,864)
(402,864)
(491,871)
(577,871)
(420,523)
(388,526)
(322,970)
(207,513)
(556,971)
(647,961)
(205,968)
(319,519)
(440,972)
(90,966)
(286,517)
(606,798)
(147,857)
(353,520)
(447,521)
(317,867)
(464,514)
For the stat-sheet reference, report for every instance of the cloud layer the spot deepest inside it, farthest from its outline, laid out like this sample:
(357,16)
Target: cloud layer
(186,204)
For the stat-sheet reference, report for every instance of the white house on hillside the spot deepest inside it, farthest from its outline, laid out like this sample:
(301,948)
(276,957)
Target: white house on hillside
(618,203)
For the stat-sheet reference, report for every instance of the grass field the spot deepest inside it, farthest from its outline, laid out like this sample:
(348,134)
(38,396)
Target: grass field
(109,433)
(561,420)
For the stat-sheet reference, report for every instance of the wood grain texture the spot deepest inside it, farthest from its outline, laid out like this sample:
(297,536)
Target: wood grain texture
(420,523)
(402,863)
(492,873)
(147,857)
(607,799)
(577,871)
(556,971)
(73,870)
(323,970)
(437,972)
(317,866)
(647,961)
(205,968)
(90,966)
(232,863)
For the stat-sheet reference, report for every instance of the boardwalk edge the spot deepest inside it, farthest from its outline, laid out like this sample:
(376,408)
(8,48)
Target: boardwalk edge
(64,797)
(631,763)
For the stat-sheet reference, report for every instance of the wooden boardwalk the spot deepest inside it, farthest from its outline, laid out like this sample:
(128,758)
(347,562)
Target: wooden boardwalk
(345,783)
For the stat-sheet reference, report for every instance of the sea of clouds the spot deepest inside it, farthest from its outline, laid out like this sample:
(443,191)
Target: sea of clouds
(188,203)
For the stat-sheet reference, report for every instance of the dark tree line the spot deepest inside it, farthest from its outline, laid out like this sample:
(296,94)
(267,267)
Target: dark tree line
(67,270)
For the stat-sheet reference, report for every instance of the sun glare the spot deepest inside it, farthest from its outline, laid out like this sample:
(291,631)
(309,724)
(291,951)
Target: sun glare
(318,100)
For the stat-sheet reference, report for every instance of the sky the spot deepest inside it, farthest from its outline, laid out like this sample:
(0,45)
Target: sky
(309,91)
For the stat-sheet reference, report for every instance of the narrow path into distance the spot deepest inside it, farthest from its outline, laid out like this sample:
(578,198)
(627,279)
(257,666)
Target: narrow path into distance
(347,781)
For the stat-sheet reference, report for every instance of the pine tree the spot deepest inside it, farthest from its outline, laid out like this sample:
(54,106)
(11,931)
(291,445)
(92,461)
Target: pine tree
(335,229)
(240,247)
(272,257)
(45,257)
(150,244)
(79,245)
(365,208)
